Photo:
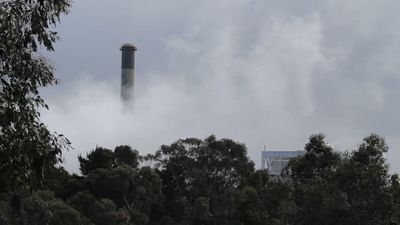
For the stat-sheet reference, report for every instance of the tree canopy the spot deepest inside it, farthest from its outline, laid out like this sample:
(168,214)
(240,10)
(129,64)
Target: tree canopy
(212,181)
(27,147)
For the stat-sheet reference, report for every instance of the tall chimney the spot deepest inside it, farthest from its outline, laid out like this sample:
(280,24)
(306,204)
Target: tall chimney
(127,71)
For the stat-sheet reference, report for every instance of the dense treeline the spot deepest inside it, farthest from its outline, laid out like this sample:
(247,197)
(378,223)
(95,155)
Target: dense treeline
(211,182)
(190,182)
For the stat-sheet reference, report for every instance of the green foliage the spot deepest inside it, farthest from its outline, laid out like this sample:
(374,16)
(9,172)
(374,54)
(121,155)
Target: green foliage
(99,158)
(354,189)
(211,181)
(319,160)
(125,155)
(114,176)
(316,197)
(102,158)
(40,208)
(252,210)
(99,212)
(201,179)
(364,178)
(27,148)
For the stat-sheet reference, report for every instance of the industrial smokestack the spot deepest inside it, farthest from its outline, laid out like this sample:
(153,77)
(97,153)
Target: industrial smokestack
(127,71)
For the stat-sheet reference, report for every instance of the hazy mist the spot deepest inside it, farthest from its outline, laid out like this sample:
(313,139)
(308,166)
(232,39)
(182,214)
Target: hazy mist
(260,72)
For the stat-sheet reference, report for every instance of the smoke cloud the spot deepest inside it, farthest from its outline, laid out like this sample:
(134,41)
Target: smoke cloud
(259,72)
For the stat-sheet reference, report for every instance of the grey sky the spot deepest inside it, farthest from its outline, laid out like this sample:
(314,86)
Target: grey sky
(262,72)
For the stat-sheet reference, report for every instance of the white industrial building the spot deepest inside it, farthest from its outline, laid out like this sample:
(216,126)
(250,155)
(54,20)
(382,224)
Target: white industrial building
(275,161)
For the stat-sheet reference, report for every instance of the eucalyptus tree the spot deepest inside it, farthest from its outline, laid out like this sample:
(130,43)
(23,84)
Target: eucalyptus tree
(27,147)
(103,158)
(201,179)
(315,196)
(370,190)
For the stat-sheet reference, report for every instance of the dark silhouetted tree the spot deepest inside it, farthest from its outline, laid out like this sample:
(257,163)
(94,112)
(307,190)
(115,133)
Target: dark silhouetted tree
(27,147)
(125,155)
(364,178)
(99,158)
(204,175)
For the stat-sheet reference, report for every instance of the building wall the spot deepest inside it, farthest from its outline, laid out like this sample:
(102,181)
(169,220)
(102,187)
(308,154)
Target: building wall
(276,161)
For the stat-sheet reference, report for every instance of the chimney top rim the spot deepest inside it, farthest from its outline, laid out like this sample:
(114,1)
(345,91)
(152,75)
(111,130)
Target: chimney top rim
(128,46)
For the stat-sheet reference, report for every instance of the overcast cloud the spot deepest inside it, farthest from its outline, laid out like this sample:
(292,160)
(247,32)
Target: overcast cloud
(262,72)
